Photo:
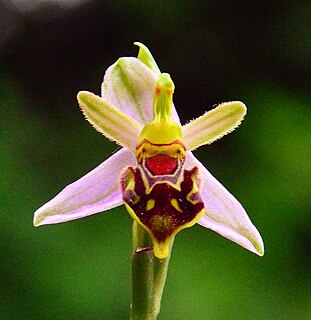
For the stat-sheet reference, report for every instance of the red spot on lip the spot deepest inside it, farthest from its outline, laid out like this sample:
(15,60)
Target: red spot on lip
(161,164)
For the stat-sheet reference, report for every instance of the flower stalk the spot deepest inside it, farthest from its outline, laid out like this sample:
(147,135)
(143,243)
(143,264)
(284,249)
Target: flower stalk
(148,277)
(142,284)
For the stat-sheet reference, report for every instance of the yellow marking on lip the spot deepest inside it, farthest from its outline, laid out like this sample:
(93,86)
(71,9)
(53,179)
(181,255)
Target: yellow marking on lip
(150,204)
(161,223)
(146,149)
(175,205)
(194,190)
(129,180)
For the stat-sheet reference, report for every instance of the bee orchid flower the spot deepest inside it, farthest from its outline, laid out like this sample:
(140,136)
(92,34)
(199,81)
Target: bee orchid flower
(155,175)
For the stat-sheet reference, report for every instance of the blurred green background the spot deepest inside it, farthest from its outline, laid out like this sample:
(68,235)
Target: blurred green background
(253,51)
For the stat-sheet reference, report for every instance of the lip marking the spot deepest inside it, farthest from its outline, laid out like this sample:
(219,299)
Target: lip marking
(161,164)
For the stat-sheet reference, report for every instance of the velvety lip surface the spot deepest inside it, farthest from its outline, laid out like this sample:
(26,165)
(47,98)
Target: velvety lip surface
(161,164)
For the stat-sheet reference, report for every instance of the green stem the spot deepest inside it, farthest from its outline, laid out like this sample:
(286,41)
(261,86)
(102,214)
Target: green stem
(148,277)
(143,290)
(142,275)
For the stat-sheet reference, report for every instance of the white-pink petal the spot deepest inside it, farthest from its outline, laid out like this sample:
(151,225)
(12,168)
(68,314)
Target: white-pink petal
(95,192)
(224,214)
(129,86)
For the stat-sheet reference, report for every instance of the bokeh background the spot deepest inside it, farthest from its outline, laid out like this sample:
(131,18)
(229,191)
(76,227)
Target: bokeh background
(254,51)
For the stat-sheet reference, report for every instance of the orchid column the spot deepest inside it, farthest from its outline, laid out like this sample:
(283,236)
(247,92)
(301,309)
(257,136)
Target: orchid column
(163,186)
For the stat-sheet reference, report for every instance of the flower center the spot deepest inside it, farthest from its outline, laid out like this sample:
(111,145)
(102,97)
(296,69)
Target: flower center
(161,164)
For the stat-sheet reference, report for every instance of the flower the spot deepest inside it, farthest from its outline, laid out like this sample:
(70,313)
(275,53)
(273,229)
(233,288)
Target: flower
(163,186)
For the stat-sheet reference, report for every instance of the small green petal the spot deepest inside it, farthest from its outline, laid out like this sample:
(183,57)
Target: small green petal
(213,124)
(145,56)
(108,120)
